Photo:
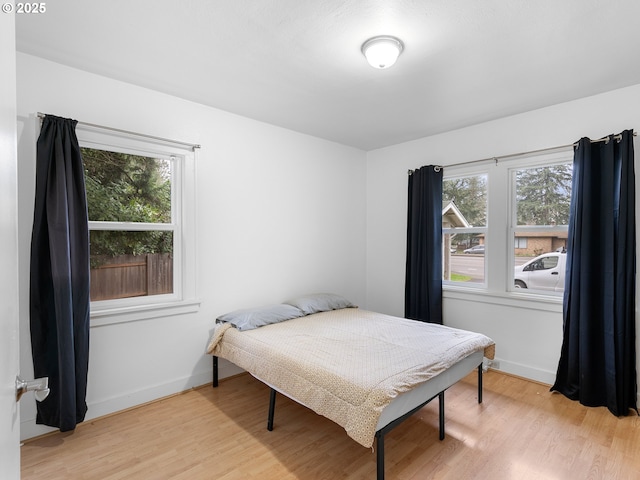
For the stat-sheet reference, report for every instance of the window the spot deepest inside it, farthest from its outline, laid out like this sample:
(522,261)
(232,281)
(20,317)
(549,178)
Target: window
(505,226)
(520,242)
(540,217)
(140,204)
(131,225)
(464,228)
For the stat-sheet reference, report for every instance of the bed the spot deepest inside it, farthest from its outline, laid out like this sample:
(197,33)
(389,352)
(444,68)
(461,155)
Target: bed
(363,370)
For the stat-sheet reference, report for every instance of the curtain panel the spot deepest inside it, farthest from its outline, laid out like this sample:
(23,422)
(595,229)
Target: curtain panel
(423,281)
(59,275)
(597,365)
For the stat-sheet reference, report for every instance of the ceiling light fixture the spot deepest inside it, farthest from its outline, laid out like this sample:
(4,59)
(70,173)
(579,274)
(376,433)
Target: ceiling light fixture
(382,51)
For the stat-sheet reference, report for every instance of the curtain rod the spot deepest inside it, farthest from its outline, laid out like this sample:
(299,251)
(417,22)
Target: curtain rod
(128,132)
(617,137)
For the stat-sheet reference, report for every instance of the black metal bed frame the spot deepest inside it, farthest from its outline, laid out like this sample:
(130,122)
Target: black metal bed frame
(384,430)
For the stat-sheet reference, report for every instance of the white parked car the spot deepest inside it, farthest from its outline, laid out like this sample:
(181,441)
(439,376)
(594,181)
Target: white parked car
(545,272)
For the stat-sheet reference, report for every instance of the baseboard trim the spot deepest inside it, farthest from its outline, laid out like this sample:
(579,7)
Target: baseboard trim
(524,371)
(118,403)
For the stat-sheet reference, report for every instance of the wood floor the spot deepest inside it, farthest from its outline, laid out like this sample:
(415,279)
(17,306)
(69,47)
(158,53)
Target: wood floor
(521,431)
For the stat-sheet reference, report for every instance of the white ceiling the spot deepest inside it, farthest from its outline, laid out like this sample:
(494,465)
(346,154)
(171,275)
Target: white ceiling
(297,63)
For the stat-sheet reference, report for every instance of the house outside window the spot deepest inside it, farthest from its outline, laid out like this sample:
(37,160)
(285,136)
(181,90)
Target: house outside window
(464,229)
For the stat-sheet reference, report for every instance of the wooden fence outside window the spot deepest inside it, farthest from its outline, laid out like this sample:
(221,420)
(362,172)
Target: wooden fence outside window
(127,276)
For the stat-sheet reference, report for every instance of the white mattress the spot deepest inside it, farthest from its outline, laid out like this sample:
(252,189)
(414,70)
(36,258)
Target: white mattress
(407,401)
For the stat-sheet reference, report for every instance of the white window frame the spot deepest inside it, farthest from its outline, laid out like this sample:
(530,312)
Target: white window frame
(462,230)
(184,298)
(499,267)
(549,160)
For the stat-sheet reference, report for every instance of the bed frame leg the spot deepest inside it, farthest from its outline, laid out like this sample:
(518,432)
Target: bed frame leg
(380,456)
(480,383)
(272,408)
(215,371)
(441,406)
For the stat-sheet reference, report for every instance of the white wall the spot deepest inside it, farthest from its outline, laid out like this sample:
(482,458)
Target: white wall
(278,214)
(528,335)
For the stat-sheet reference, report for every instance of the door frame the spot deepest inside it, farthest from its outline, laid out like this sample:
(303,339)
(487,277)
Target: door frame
(9,318)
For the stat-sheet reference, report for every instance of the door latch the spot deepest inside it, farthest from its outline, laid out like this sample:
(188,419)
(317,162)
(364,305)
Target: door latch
(40,387)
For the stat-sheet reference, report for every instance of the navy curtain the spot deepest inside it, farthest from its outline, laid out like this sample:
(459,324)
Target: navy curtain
(423,282)
(59,287)
(598,360)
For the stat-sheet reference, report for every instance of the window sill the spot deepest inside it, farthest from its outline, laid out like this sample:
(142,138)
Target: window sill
(531,301)
(111,316)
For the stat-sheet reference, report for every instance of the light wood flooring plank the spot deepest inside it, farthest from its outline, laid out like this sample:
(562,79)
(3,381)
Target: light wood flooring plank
(521,431)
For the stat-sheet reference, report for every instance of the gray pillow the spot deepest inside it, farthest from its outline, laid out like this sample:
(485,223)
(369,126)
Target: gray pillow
(250,318)
(320,302)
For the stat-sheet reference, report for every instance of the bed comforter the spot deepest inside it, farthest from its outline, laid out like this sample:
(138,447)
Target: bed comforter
(347,364)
